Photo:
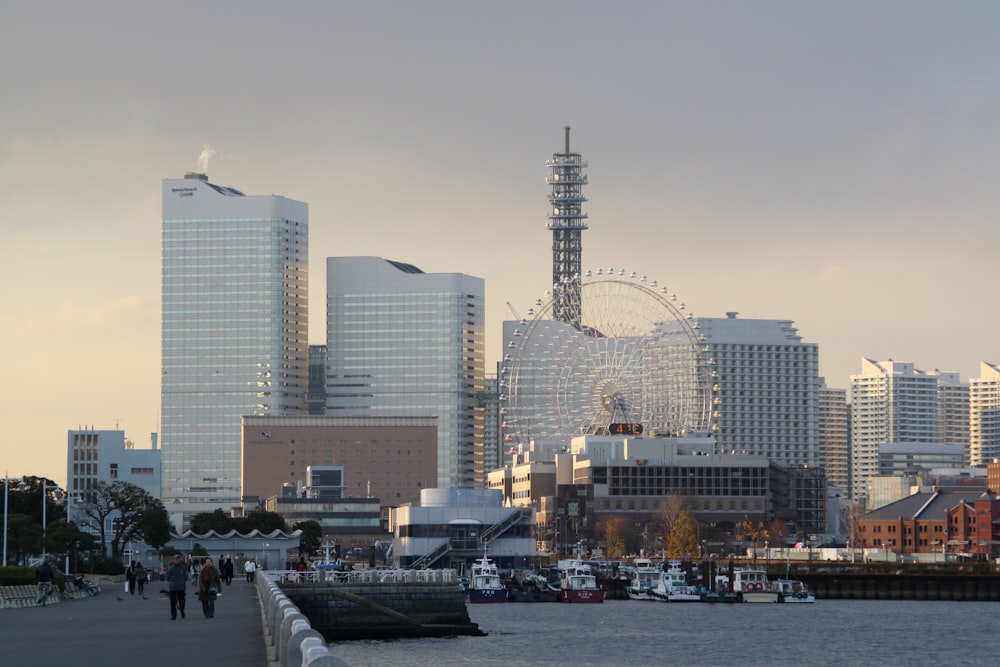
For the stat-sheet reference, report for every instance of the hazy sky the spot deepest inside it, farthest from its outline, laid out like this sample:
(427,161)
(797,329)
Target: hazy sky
(831,163)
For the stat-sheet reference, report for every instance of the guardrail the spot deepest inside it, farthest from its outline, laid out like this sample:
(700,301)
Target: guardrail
(366,576)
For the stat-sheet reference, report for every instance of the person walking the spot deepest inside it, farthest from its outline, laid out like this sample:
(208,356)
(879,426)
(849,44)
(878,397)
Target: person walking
(177,575)
(227,571)
(249,568)
(130,579)
(43,577)
(209,585)
(140,578)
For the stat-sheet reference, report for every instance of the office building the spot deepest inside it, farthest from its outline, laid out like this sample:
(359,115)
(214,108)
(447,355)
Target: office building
(235,337)
(401,342)
(768,388)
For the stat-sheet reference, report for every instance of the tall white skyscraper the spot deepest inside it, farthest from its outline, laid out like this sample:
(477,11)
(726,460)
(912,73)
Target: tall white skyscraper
(235,333)
(984,415)
(407,343)
(768,382)
(891,401)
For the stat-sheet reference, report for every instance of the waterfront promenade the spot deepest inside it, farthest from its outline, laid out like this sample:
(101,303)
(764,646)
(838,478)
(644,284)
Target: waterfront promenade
(115,629)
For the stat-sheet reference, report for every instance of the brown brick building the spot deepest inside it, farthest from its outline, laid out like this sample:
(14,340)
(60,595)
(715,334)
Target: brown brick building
(947,522)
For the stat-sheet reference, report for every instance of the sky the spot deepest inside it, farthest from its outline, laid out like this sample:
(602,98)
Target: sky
(831,163)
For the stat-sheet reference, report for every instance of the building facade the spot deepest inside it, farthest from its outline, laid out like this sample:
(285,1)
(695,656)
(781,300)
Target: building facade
(768,388)
(952,524)
(235,335)
(891,401)
(984,415)
(404,342)
(392,458)
(107,456)
(834,435)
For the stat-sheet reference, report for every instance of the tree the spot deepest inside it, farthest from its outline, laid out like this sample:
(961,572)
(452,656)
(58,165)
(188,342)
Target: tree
(127,506)
(265,522)
(66,539)
(154,526)
(613,540)
(24,537)
(683,539)
(206,522)
(666,514)
(312,536)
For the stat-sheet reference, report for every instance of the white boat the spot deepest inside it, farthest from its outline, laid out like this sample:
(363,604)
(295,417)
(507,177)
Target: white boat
(673,586)
(753,586)
(644,580)
(793,591)
(577,583)
(485,584)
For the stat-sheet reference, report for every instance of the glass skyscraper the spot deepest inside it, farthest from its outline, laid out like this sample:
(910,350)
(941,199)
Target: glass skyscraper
(401,342)
(235,334)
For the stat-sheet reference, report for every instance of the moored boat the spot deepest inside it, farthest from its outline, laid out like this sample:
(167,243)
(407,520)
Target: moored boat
(484,584)
(793,591)
(530,587)
(644,579)
(752,585)
(673,586)
(577,583)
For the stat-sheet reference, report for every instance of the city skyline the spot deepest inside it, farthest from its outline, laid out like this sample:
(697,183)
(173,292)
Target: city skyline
(831,164)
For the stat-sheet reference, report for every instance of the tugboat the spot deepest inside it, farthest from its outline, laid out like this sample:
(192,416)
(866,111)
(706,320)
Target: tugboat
(484,584)
(643,582)
(577,583)
(673,586)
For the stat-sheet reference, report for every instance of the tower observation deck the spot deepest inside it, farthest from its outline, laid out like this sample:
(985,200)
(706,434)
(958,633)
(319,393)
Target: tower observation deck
(567,221)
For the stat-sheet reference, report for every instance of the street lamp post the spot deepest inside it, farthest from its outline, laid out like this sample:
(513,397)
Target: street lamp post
(45,492)
(6,484)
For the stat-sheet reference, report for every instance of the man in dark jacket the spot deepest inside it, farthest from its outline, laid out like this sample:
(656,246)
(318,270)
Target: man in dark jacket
(43,576)
(177,576)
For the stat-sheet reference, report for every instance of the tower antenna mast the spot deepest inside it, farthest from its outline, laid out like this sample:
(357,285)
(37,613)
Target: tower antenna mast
(567,222)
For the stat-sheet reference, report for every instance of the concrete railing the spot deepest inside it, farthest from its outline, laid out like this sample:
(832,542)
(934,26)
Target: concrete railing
(292,640)
(366,576)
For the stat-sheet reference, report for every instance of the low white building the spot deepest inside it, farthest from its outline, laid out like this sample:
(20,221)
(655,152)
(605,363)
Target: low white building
(450,528)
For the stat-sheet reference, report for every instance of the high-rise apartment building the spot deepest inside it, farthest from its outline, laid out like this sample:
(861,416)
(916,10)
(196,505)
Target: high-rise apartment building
(401,342)
(953,410)
(834,435)
(768,382)
(984,416)
(235,335)
(891,401)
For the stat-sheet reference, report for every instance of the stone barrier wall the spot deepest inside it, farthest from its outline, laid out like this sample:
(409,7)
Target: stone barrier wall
(292,642)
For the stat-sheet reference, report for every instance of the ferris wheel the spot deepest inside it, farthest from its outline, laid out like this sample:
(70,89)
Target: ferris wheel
(609,353)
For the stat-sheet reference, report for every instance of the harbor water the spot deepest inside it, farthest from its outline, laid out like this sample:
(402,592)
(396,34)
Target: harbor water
(640,634)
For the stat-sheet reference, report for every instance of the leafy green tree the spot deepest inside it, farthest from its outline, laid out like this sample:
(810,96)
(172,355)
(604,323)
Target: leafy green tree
(217,520)
(683,540)
(312,536)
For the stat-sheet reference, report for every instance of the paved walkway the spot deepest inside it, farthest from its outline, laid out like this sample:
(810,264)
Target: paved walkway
(115,629)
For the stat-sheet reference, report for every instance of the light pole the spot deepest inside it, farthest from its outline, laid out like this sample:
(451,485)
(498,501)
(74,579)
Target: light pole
(6,484)
(45,492)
